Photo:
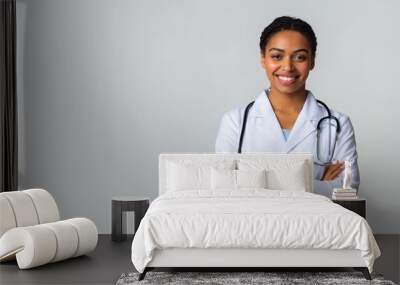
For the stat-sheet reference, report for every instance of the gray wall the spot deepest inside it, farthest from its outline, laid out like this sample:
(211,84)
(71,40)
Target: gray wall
(105,86)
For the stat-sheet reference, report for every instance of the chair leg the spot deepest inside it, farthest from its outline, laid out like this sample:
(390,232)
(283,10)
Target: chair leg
(364,271)
(142,275)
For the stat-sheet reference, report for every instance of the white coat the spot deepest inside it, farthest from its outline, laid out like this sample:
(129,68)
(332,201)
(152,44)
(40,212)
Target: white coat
(264,134)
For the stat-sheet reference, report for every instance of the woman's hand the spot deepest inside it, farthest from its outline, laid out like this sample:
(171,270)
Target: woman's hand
(332,171)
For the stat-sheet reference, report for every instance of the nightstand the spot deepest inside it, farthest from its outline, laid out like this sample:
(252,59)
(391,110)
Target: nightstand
(121,204)
(358,206)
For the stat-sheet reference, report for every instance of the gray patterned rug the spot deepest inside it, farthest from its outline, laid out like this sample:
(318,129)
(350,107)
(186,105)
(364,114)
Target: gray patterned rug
(229,278)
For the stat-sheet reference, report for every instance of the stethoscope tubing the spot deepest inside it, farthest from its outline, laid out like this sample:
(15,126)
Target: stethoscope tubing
(318,129)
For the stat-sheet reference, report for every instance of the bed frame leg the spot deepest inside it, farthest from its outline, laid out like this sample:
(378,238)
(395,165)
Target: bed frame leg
(143,274)
(364,271)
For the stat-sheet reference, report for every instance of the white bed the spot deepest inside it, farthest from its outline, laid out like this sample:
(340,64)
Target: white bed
(248,227)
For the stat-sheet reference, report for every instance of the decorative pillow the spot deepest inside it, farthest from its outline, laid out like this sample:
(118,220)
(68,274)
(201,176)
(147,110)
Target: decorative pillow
(251,178)
(281,174)
(236,179)
(223,179)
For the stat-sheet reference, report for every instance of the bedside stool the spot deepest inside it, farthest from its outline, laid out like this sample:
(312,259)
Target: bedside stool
(358,206)
(121,204)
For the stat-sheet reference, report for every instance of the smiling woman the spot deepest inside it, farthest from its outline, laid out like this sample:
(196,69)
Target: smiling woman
(287,60)
(286,117)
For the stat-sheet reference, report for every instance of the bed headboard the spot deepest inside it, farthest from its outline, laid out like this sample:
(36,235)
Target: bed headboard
(164,158)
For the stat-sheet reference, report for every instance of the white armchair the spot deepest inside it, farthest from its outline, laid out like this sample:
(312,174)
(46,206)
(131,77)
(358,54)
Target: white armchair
(31,230)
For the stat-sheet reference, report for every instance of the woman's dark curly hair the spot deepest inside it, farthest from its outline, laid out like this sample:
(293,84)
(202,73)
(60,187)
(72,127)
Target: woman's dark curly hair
(288,23)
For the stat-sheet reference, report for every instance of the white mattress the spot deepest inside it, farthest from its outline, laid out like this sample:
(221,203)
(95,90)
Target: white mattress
(250,218)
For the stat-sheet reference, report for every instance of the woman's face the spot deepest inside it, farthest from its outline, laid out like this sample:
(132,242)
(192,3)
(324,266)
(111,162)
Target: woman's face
(287,60)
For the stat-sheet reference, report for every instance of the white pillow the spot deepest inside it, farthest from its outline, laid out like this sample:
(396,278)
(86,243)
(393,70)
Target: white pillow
(236,179)
(189,174)
(281,174)
(185,177)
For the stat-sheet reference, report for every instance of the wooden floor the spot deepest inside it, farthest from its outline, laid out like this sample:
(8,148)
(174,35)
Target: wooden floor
(111,259)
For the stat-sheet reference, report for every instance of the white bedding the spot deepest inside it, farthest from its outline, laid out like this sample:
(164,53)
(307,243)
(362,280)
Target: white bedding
(250,218)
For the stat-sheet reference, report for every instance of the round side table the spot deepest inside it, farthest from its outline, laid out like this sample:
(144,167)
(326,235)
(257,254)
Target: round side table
(121,204)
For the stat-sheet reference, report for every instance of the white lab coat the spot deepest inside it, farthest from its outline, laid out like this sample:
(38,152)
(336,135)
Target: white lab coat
(264,134)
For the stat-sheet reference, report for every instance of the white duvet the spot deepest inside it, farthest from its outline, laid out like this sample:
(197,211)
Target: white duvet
(250,218)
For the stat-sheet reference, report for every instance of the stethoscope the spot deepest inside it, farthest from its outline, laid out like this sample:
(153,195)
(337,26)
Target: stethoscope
(329,117)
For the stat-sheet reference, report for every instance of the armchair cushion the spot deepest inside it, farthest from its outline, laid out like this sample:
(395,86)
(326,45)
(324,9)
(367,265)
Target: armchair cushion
(26,208)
